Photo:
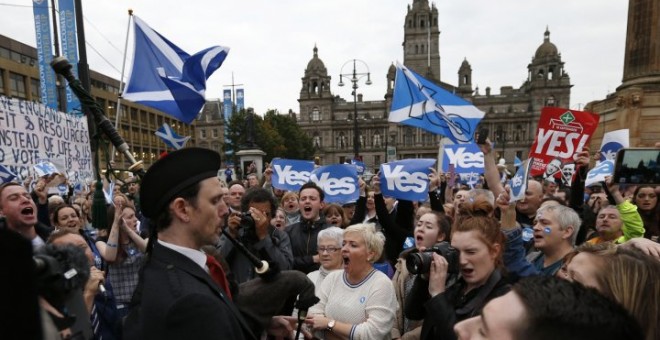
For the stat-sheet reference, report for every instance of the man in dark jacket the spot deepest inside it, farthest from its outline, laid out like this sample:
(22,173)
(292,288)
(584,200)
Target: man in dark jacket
(304,234)
(21,214)
(176,297)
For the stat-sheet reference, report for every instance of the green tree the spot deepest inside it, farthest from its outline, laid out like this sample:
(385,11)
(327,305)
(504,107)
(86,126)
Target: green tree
(277,135)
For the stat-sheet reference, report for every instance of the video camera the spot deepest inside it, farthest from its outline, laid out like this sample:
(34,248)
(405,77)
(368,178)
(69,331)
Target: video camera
(420,262)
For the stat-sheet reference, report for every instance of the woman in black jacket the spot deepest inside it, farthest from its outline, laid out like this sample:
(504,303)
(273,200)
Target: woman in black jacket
(477,238)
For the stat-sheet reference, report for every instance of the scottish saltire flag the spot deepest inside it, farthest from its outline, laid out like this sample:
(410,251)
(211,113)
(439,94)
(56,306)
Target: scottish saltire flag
(420,103)
(359,165)
(516,161)
(6,175)
(406,179)
(167,134)
(45,168)
(168,79)
(518,182)
(613,141)
(290,174)
(338,181)
(599,172)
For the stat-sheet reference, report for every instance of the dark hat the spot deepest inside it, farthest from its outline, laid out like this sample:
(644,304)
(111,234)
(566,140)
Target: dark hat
(173,173)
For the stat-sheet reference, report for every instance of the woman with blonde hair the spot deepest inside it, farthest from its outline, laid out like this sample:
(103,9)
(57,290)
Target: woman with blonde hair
(625,275)
(357,302)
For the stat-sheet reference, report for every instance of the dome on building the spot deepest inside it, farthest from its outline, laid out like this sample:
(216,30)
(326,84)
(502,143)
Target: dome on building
(391,72)
(547,49)
(315,65)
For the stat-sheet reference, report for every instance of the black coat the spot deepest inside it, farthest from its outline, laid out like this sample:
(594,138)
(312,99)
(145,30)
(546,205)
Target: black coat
(444,310)
(304,241)
(177,299)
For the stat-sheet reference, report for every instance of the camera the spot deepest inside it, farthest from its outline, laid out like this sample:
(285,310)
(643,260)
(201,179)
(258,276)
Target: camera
(420,262)
(247,221)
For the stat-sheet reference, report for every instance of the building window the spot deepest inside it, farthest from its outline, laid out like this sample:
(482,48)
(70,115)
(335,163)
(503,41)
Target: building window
(408,137)
(377,140)
(316,115)
(17,85)
(376,160)
(342,159)
(341,140)
(202,133)
(2,81)
(35,86)
(317,140)
(215,133)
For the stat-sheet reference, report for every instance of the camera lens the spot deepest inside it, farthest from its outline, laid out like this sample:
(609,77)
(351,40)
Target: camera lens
(418,263)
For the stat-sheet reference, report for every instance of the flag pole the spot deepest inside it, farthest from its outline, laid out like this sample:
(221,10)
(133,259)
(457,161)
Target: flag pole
(121,81)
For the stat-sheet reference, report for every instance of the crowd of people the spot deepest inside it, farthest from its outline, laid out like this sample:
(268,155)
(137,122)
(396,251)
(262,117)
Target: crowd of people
(566,261)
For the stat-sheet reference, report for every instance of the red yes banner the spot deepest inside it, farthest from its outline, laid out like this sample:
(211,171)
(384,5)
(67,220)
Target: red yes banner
(561,133)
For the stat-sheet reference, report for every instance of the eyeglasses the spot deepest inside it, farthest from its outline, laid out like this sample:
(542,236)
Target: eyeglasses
(330,250)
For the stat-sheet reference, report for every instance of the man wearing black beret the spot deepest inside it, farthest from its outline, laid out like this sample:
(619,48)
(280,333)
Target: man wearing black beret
(180,293)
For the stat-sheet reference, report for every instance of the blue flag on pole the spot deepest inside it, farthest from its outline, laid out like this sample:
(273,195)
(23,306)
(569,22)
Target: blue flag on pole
(338,181)
(167,78)
(6,175)
(171,138)
(406,179)
(420,103)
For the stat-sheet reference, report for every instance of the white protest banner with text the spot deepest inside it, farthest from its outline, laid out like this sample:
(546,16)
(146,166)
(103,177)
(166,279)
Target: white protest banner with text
(31,132)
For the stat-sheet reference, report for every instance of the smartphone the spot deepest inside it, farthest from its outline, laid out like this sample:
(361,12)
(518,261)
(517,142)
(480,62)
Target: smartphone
(483,134)
(637,166)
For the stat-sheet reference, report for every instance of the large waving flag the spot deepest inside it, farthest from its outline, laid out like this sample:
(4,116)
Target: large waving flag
(167,78)
(420,103)
(171,138)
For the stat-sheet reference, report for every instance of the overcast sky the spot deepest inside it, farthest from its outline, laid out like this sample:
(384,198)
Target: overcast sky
(271,41)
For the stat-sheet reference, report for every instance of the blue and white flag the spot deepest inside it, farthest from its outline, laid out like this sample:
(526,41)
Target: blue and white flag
(338,181)
(359,165)
(406,179)
(289,174)
(47,87)
(167,78)
(518,182)
(240,100)
(613,141)
(69,43)
(167,134)
(109,192)
(466,158)
(45,168)
(420,103)
(598,173)
(6,175)
(516,161)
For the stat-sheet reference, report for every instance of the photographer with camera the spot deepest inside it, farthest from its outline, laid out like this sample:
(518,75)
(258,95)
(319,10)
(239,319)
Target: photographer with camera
(477,239)
(253,228)
(431,233)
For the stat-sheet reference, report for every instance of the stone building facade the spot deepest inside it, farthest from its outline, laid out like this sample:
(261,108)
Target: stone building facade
(511,114)
(636,103)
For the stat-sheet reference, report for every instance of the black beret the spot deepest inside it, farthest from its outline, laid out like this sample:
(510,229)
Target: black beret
(171,174)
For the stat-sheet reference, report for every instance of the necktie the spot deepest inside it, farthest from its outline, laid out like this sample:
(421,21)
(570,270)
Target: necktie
(218,274)
(94,316)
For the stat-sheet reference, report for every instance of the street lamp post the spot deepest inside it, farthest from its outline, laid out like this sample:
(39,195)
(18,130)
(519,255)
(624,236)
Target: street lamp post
(355,77)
